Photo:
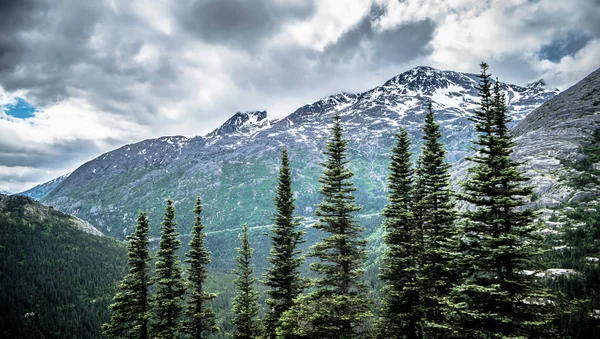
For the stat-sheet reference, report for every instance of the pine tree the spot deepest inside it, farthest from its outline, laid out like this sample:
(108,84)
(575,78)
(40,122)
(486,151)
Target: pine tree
(439,235)
(283,278)
(499,297)
(130,311)
(245,305)
(168,300)
(401,314)
(337,307)
(199,319)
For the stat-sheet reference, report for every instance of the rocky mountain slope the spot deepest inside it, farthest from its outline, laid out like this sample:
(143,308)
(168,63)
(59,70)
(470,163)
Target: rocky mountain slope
(559,146)
(556,144)
(234,167)
(42,190)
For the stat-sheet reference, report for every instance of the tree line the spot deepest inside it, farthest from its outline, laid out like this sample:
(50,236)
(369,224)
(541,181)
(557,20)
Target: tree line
(445,272)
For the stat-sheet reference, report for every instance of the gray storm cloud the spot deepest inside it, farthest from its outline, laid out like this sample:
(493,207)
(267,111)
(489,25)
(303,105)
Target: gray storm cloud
(146,69)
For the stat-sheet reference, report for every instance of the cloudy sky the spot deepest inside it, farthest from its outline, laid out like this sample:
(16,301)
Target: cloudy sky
(79,78)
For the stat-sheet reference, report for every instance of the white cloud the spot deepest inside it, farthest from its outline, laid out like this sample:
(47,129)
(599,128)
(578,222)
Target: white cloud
(329,22)
(104,76)
(572,68)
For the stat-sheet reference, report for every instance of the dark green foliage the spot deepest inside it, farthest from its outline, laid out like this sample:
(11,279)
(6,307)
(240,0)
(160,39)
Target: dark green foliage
(337,307)
(589,176)
(245,306)
(283,277)
(498,296)
(582,246)
(592,151)
(56,281)
(130,310)
(436,216)
(167,302)
(401,315)
(199,319)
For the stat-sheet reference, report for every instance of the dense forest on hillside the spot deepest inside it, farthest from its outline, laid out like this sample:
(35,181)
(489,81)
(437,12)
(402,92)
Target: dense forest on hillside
(56,281)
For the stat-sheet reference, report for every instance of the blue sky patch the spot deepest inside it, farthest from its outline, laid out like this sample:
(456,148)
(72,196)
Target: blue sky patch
(563,45)
(21,109)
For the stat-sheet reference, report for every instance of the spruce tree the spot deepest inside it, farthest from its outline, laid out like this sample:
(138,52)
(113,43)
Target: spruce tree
(498,296)
(401,314)
(439,234)
(130,310)
(283,278)
(337,307)
(199,319)
(245,305)
(168,300)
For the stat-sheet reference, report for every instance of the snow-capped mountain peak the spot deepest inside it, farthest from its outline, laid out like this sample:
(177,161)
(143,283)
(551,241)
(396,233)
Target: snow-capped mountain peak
(242,124)
(537,84)
(425,80)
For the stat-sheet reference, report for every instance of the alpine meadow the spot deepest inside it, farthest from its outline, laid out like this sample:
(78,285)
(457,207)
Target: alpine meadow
(409,202)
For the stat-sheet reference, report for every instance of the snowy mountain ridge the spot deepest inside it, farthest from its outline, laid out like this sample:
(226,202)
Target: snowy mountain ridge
(233,167)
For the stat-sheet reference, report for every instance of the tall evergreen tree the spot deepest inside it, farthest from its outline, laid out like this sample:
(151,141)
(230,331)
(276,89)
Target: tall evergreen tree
(245,305)
(130,310)
(437,217)
(199,319)
(401,314)
(337,307)
(499,297)
(168,300)
(283,278)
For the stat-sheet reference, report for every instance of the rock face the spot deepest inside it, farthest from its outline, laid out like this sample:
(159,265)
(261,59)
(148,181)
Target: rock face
(234,167)
(33,210)
(553,143)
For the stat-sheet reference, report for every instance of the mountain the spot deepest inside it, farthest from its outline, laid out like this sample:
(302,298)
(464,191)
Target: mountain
(559,144)
(57,275)
(559,147)
(241,124)
(234,167)
(41,190)
(5,192)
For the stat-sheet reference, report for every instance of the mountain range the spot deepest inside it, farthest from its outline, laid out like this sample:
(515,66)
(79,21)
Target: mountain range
(233,168)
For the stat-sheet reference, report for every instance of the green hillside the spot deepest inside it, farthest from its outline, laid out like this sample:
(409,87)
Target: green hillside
(56,280)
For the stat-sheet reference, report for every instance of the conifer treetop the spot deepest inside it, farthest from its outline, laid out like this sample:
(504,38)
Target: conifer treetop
(199,319)
(245,305)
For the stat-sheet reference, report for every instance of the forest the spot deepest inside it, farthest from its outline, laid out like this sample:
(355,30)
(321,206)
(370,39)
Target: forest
(468,263)
(56,281)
